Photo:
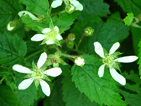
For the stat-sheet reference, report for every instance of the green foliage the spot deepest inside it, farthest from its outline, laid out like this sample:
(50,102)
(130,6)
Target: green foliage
(132,91)
(102,90)
(139,55)
(93,9)
(36,6)
(71,94)
(106,33)
(128,19)
(12,49)
(133,6)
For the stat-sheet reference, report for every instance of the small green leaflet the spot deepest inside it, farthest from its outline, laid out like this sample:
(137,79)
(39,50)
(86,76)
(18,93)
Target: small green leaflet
(72,96)
(101,90)
(12,49)
(128,19)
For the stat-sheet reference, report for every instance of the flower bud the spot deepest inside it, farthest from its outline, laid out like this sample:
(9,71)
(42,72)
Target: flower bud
(79,61)
(71,37)
(70,8)
(89,31)
(11,25)
(70,44)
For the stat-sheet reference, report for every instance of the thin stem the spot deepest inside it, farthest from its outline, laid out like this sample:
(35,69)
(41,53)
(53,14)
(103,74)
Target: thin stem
(33,54)
(69,56)
(58,13)
(80,41)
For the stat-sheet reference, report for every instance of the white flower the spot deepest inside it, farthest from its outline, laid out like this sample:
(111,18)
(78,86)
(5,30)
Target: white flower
(37,75)
(49,36)
(23,13)
(77,5)
(111,61)
(79,61)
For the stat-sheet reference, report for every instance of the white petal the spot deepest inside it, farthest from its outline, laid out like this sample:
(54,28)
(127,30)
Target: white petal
(9,28)
(25,83)
(46,30)
(49,42)
(56,3)
(117,76)
(114,48)
(78,6)
(21,13)
(101,70)
(59,37)
(57,29)
(53,72)
(38,37)
(99,49)
(126,59)
(42,60)
(21,69)
(45,87)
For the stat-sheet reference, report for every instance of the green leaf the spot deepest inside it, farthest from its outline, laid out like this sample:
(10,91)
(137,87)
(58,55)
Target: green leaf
(12,49)
(129,6)
(102,90)
(71,94)
(106,33)
(36,6)
(128,19)
(65,20)
(8,12)
(132,91)
(7,97)
(139,55)
(92,9)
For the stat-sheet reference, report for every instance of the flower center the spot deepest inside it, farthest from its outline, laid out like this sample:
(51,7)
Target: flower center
(109,61)
(52,34)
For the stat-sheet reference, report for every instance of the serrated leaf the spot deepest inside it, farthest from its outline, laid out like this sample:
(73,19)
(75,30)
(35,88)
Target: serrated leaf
(65,20)
(128,19)
(93,9)
(102,90)
(71,94)
(133,6)
(36,6)
(7,97)
(12,49)
(131,92)
(106,33)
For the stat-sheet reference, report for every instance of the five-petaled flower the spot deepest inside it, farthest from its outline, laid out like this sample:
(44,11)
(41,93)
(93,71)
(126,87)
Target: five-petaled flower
(110,59)
(49,36)
(76,4)
(37,75)
(79,61)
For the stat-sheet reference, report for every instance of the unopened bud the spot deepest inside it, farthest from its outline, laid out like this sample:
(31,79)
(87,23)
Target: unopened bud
(70,8)
(71,37)
(11,25)
(89,31)
(70,44)
(79,61)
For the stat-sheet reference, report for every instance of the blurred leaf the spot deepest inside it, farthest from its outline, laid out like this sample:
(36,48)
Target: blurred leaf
(71,94)
(92,9)
(7,97)
(102,90)
(12,49)
(139,55)
(128,19)
(129,6)
(132,91)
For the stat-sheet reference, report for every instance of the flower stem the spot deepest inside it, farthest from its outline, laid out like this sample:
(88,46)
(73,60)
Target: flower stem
(33,54)
(58,13)
(80,41)
(67,55)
